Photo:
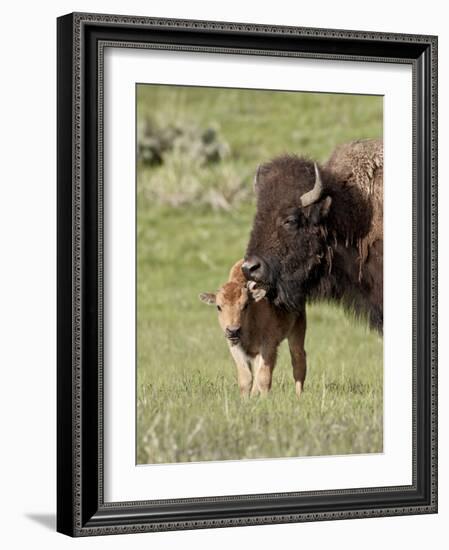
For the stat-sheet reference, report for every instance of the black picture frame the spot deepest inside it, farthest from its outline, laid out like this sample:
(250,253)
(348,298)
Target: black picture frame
(81,509)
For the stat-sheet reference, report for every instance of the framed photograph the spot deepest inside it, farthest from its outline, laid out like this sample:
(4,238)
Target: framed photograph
(247,279)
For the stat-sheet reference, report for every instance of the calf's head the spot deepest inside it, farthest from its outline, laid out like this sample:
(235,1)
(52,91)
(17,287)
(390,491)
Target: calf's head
(231,301)
(287,239)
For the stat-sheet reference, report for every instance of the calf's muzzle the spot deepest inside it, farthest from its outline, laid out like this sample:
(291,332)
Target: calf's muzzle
(233,332)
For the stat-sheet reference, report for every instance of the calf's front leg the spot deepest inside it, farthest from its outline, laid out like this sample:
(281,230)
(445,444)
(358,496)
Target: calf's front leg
(244,374)
(297,352)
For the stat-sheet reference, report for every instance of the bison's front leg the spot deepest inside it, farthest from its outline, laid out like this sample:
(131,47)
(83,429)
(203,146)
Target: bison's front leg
(297,352)
(244,374)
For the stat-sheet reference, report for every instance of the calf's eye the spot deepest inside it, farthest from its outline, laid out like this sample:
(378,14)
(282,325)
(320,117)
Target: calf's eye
(219,308)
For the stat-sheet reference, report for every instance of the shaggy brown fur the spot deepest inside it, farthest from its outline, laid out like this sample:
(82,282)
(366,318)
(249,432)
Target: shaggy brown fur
(331,249)
(232,292)
(360,163)
(254,329)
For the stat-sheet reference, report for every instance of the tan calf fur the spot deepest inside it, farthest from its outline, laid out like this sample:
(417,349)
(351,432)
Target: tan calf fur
(254,329)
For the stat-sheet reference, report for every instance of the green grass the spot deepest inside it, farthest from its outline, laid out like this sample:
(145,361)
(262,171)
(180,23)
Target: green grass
(188,403)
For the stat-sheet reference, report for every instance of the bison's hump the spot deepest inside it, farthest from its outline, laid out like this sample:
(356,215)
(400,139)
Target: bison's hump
(360,163)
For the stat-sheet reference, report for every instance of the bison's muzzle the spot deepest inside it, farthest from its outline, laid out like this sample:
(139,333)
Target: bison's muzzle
(255,269)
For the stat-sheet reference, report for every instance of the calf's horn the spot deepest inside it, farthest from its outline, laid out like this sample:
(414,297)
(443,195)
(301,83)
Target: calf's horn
(314,194)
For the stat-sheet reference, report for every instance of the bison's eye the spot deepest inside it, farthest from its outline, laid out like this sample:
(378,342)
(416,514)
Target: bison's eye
(219,308)
(291,222)
(245,306)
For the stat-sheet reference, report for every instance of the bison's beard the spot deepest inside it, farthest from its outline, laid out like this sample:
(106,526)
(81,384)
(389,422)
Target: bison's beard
(289,294)
(285,289)
(289,286)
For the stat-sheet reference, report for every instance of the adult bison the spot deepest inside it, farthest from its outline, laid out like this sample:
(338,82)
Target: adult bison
(318,231)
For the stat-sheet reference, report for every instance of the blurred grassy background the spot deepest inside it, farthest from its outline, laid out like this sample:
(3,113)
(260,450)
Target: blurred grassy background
(197,152)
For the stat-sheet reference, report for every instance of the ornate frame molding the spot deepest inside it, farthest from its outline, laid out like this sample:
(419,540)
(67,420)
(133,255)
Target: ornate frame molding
(81,42)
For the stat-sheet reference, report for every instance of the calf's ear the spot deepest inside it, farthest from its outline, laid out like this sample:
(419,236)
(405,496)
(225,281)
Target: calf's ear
(256,293)
(320,210)
(208,298)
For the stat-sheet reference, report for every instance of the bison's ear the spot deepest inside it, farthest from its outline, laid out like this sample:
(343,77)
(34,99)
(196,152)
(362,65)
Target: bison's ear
(208,298)
(319,211)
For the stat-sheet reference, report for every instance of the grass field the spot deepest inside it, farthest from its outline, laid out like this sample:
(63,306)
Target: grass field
(188,404)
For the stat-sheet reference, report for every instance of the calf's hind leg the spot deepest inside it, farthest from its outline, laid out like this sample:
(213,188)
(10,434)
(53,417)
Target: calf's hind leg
(297,352)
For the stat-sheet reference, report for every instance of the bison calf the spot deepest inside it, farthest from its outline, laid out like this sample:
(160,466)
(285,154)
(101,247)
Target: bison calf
(254,328)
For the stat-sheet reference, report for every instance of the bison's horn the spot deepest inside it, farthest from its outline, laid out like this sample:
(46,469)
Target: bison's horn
(314,194)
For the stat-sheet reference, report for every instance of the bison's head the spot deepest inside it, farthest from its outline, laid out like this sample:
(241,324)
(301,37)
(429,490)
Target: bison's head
(288,239)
